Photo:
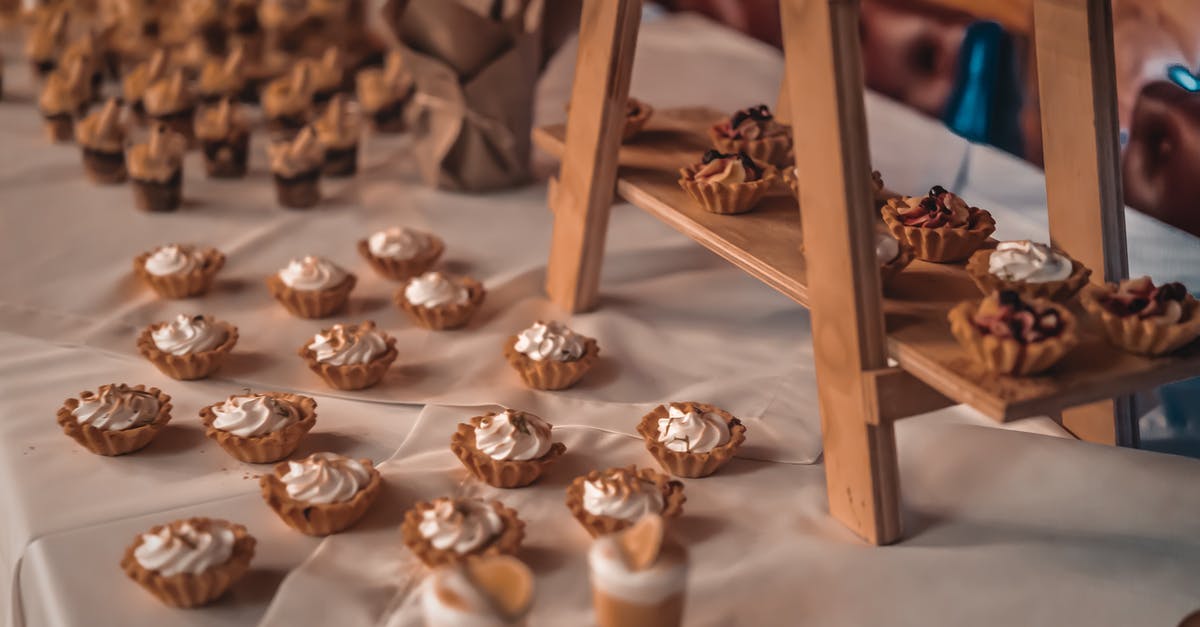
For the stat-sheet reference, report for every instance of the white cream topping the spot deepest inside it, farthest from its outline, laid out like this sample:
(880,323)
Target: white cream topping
(550,340)
(468,608)
(621,496)
(253,415)
(513,436)
(434,289)
(185,549)
(186,335)
(665,578)
(397,243)
(325,478)
(460,525)
(116,408)
(692,431)
(1028,261)
(348,344)
(887,248)
(310,273)
(171,259)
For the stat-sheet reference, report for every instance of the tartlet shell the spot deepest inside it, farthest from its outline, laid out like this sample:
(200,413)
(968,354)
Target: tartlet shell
(1062,291)
(318,519)
(499,473)
(775,150)
(404,269)
(941,244)
(1137,336)
(192,365)
(312,304)
(726,198)
(691,465)
(182,285)
(267,448)
(672,491)
(551,374)
(351,376)
(186,590)
(109,442)
(1006,355)
(444,317)
(507,543)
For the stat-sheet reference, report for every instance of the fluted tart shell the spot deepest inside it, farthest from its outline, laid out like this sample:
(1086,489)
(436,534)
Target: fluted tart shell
(691,465)
(190,366)
(726,198)
(775,149)
(194,282)
(404,269)
(112,442)
(1061,291)
(444,317)
(1138,336)
(551,374)
(672,492)
(1006,355)
(187,590)
(351,376)
(318,519)
(506,543)
(312,303)
(942,244)
(499,473)
(271,447)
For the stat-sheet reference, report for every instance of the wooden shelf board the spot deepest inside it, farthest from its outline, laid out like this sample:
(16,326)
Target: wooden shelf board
(766,244)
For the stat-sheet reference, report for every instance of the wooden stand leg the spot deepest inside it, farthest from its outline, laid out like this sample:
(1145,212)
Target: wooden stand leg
(833,165)
(582,197)
(1077,83)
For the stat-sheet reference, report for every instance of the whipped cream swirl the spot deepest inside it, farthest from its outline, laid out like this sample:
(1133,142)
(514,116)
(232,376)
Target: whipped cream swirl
(171,259)
(310,273)
(325,478)
(185,548)
(620,494)
(460,525)
(187,335)
(253,415)
(434,289)
(692,431)
(347,344)
(397,243)
(1028,261)
(116,408)
(550,340)
(887,248)
(513,436)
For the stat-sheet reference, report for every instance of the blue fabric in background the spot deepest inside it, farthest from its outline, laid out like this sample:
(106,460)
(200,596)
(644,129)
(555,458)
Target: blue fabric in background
(985,102)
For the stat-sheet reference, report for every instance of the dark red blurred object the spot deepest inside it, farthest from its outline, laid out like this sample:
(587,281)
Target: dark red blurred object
(1162,160)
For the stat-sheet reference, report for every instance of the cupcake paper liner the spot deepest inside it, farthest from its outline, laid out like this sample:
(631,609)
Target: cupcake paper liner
(726,198)
(192,365)
(111,442)
(1142,337)
(312,303)
(551,374)
(1062,291)
(499,473)
(445,317)
(1006,355)
(318,519)
(186,590)
(182,285)
(775,150)
(940,244)
(507,543)
(267,448)
(691,465)
(635,124)
(672,491)
(351,376)
(404,269)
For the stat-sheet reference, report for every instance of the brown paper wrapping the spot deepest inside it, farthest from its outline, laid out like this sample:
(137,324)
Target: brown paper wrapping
(112,443)
(551,374)
(445,317)
(267,448)
(1142,337)
(1062,291)
(691,465)
(672,491)
(318,519)
(312,303)
(1006,355)
(351,376)
(942,244)
(192,283)
(404,269)
(185,589)
(498,472)
(507,543)
(193,365)
(726,198)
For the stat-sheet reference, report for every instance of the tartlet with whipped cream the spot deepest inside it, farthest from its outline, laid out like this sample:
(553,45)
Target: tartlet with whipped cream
(312,287)
(691,439)
(1140,317)
(156,170)
(756,132)
(350,356)
(224,135)
(613,499)
(940,226)
(179,270)
(439,301)
(550,356)
(64,98)
(1007,334)
(296,165)
(509,449)
(101,137)
(451,530)
(187,347)
(169,101)
(323,493)
(400,253)
(191,562)
(115,419)
(727,183)
(338,129)
(383,92)
(1032,269)
(260,428)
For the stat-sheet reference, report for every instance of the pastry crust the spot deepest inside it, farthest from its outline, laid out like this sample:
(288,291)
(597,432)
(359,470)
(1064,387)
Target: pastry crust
(941,244)
(506,543)
(691,465)
(672,491)
(115,442)
(192,365)
(351,376)
(499,473)
(1142,337)
(775,149)
(186,590)
(312,303)
(266,448)
(1006,355)
(1062,291)
(551,374)
(186,284)
(318,519)
(726,198)
(444,317)
(404,269)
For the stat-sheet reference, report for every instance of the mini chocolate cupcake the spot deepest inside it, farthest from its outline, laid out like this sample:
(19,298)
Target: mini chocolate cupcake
(133,86)
(287,102)
(156,170)
(46,39)
(101,136)
(224,137)
(382,93)
(87,49)
(63,100)
(222,79)
(297,165)
(168,101)
(338,130)
(328,75)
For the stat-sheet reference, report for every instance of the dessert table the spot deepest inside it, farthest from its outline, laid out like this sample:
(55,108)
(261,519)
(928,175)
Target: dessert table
(1019,524)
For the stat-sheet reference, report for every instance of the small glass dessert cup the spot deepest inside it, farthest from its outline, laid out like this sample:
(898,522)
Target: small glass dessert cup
(189,563)
(637,113)
(400,253)
(311,287)
(755,132)
(350,356)
(612,500)
(115,419)
(101,136)
(492,591)
(550,356)
(383,93)
(509,449)
(169,102)
(297,165)
(156,171)
(451,530)
(179,270)
(188,347)
(322,494)
(638,576)
(1006,334)
(260,428)
(691,439)
(1144,319)
(440,302)
(1031,269)
(338,130)
(224,136)
(939,227)
(727,183)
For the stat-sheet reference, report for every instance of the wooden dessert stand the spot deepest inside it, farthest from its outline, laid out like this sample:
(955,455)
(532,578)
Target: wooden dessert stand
(854,328)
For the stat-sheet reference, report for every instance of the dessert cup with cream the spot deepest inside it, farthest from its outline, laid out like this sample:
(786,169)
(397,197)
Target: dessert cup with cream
(260,428)
(491,591)
(328,75)
(637,113)
(296,165)
(323,493)
(1007,334)
(134,84)
(189,563)
(550,356)
(222,78)
(756,132)
(638,576)
(115,419)
(179,270)
(691,439)
(399,253)
(611,500)
(1031,269)
(64,98)
(287,102)
(939,227)
(224,136)
(188,347)
(439,301)
(449,530)
(168,101)
(509,449)
(350,356)
(46,39)
(338,130)
(101,136)
(1140,317)
(156,170)
(726,183)
(311,287)
(383,92)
